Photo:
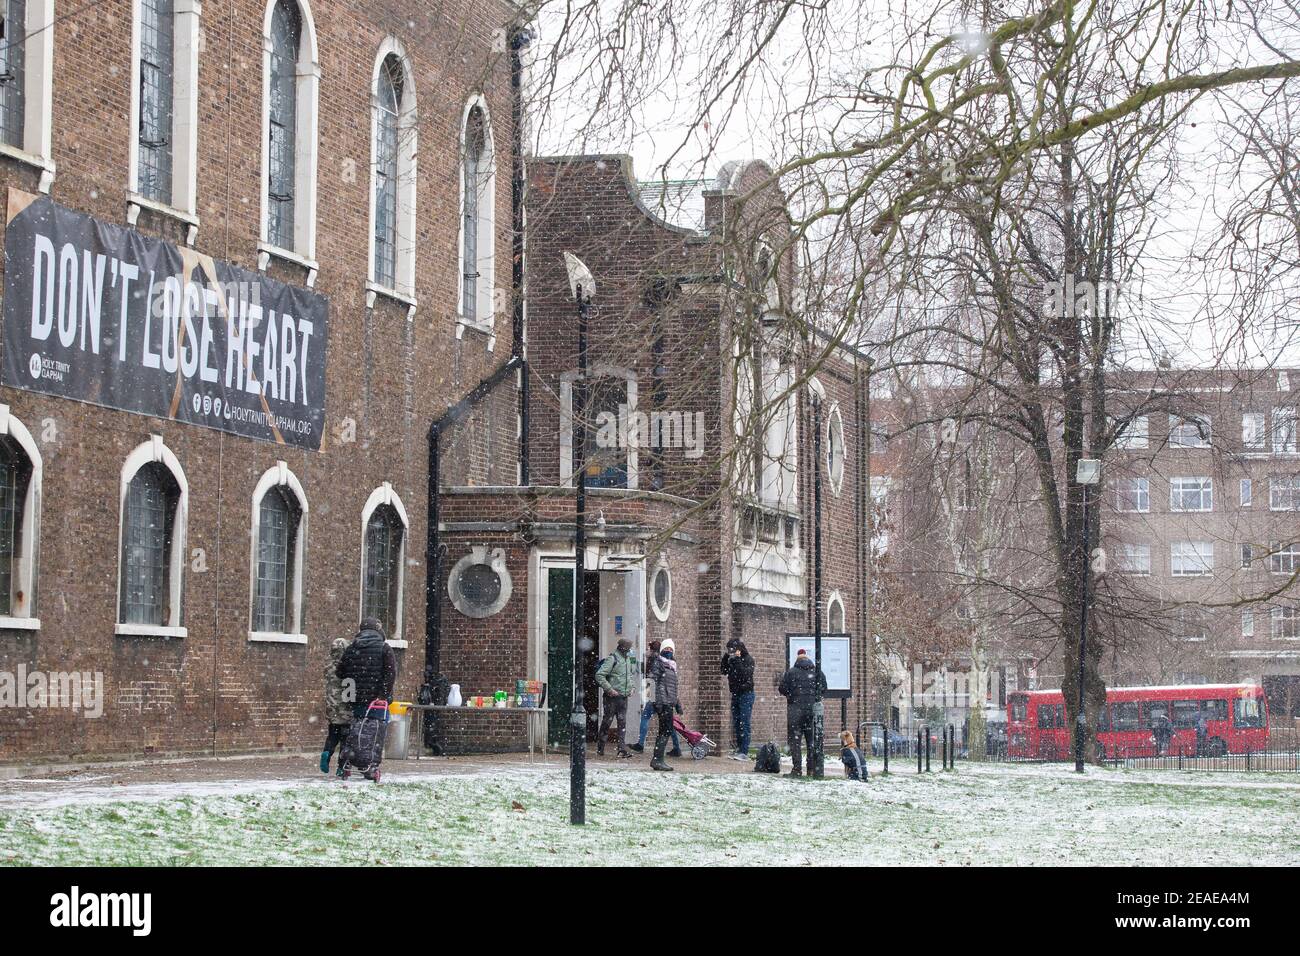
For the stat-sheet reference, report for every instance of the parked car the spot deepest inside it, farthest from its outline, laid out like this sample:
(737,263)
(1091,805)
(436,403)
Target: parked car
(897,742)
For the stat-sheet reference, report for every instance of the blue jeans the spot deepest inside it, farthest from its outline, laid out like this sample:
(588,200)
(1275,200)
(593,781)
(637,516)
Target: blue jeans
(647,712)
(742,708)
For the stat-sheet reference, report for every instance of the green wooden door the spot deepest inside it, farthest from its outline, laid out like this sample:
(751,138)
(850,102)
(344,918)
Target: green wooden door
(559,653)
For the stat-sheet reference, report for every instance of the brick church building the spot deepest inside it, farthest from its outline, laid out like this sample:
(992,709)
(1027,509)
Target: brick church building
(267,367)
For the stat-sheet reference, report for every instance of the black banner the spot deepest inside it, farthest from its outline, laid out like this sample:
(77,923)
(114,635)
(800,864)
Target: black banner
(102,314)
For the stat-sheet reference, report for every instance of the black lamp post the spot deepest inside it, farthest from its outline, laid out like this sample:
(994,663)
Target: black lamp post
(817,759)
(583,289)
(1087,474)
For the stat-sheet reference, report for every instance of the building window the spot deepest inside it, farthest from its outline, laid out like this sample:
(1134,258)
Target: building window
(157,94)
(383,562)
(292,84)
(612,457)
(966,486)
(1247,556)
(1284,493)
(154,505)
(1133,433)
(477,203)
(20,505)
(1135,559)
(479,584)
(13,75)
(1191,432)
(1246,491)
(393,184)
(1284,558)
(279,554)
(1191,494)
(1247,623)
(835,615)
(1191,558)
(165,103)
(1253,434)
(1286,623)
(1284,430)
(835,451)
(1133,495)
(661,591)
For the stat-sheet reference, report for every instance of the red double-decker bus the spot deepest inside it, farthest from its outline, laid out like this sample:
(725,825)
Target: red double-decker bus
(1236,718)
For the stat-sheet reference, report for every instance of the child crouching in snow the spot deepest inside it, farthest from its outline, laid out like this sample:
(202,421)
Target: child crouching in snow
(338,710)
(855,765)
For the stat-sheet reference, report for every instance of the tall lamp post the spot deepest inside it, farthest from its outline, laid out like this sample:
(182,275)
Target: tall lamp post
(1087,473)
(583,289)
(817,758)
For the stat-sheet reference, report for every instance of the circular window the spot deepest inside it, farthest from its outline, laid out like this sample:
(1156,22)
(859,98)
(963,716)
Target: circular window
(479,584)
(835,450)
(661,592)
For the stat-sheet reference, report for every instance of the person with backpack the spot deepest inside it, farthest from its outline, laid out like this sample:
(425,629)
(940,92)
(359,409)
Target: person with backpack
(855,765)
(802,687)
(371,665)
(338,709)
(738,666)
(614,676)
(664,673)
(648,711)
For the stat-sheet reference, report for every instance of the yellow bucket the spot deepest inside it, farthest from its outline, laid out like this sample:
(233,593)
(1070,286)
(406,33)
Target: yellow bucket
(399,707)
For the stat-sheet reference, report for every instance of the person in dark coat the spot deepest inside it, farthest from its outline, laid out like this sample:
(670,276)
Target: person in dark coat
(371,665)
(855,765)
(664,673)
(648,711)
(738,666)
(802,687)
(1163,731)
(1202,734)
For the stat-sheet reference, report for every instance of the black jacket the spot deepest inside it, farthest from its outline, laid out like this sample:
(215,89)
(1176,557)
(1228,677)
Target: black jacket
(802,684)
(370,662)
(739,671)
(663,671)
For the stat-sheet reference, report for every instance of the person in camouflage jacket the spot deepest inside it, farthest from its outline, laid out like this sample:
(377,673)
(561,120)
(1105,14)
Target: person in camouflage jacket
(338,708)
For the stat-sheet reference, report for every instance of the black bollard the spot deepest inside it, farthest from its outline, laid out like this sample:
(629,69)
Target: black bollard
(884,738)
(929,746)
(943,754)
(918,751)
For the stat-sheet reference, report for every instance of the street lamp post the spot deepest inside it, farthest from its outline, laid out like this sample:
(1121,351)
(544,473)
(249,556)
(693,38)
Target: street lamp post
(583,288)
(1087,474)
(817,758)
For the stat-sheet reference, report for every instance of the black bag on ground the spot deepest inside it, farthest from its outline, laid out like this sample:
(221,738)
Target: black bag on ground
(364,748)
(769,759)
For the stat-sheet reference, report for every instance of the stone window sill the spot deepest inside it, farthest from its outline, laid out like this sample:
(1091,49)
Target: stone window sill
(45,166)
(135,202)
(149,630)
(276,637)
(8,623)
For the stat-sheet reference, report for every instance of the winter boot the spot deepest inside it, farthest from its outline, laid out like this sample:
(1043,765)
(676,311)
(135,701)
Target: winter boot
(324,761)
(657,762)
(639,748)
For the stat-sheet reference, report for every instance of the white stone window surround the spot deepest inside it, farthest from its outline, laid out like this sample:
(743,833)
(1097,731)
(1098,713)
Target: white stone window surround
(306,149)
(833,601)
(280,477)
(385,495)
(155,451)
(485,307)
(598,371)
(835,437)
(38,94)
(23,607)
(185,121)
(661,612)
(403,291)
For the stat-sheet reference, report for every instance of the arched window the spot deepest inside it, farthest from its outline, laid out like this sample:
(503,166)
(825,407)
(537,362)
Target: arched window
(279,554)
(835,614)
(20,509)
(154,503)
(383,560)
(835,449)
(289,173)
(477,228)
(164,104)
(393,184)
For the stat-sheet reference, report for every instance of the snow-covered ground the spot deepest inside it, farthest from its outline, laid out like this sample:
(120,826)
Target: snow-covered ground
(518,814)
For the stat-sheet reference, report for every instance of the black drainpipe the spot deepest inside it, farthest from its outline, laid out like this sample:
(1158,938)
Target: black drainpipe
(520,37)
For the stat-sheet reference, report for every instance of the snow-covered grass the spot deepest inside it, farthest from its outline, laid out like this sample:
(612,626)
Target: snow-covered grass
(978,815)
